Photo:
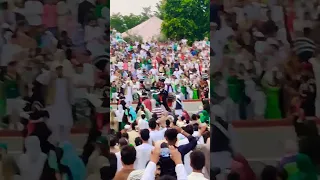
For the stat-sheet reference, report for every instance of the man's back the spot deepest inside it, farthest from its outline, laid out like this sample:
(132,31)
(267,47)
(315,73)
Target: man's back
(143,155)
(123,174)
(156,136)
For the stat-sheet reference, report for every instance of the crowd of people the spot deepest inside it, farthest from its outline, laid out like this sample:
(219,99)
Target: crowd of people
(263,66)
(47,48)
(141,68)
(159,139)
(161,75)
(265,59)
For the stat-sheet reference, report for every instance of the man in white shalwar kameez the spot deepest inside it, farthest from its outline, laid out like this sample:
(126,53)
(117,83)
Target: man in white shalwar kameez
(227,104)
(59,105)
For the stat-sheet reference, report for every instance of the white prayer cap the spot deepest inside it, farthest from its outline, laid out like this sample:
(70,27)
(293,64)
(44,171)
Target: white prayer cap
(218,111)
(135,175)
(127,127)
(171,118)
(178,96)
(258,34)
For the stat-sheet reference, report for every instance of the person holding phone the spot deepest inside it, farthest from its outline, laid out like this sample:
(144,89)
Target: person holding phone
(174,155)
(166,164)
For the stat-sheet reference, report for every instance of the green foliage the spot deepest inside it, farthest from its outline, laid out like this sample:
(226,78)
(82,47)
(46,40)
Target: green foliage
(159,12)
(133,38)
(122,23)
(162,38)
(187,19)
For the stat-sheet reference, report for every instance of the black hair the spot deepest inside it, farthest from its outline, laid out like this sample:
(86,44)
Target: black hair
(143,116)
(171,134)
(197,160)
(118,135)
(145,134)
(233,176)
(195,127)
(133,125)
(113,140)
(189,129)
(152,124)
(194,117)
(154,115)
(69,54)
(307,31)
(123,142)
(269,173)
(168,122)
(128,155)
(138,141)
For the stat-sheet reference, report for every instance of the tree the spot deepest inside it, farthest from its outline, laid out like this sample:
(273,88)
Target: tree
(159,12)
(185,19)
(146,13)
(123,23)
(117,22)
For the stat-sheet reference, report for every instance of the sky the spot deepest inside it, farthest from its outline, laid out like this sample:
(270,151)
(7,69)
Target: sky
(125,7)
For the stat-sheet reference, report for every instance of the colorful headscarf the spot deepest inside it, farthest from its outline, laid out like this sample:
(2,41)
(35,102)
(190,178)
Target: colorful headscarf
(71,159)
(204,116)
(132,113)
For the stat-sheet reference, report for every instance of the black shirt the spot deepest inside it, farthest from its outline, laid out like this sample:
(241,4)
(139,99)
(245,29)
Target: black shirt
(84,10)
(218,141)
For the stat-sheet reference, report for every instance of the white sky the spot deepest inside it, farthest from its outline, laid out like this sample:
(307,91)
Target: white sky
(125,7)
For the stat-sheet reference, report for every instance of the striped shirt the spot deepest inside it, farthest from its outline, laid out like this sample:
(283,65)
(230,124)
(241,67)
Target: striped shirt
(158,111)
(304,44)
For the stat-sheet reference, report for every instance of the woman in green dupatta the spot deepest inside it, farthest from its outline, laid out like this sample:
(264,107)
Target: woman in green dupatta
(204,116)
(307,171)
(184,90)
(195,92)
(234,87)
(272,91)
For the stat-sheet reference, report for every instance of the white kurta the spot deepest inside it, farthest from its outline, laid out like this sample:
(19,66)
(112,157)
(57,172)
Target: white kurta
(60,112)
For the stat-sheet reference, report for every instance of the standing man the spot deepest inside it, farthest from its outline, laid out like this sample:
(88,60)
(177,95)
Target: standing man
(58,100)
(85,9)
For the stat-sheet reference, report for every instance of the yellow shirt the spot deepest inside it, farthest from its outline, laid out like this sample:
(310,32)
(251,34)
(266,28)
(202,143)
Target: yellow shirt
(132,136)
